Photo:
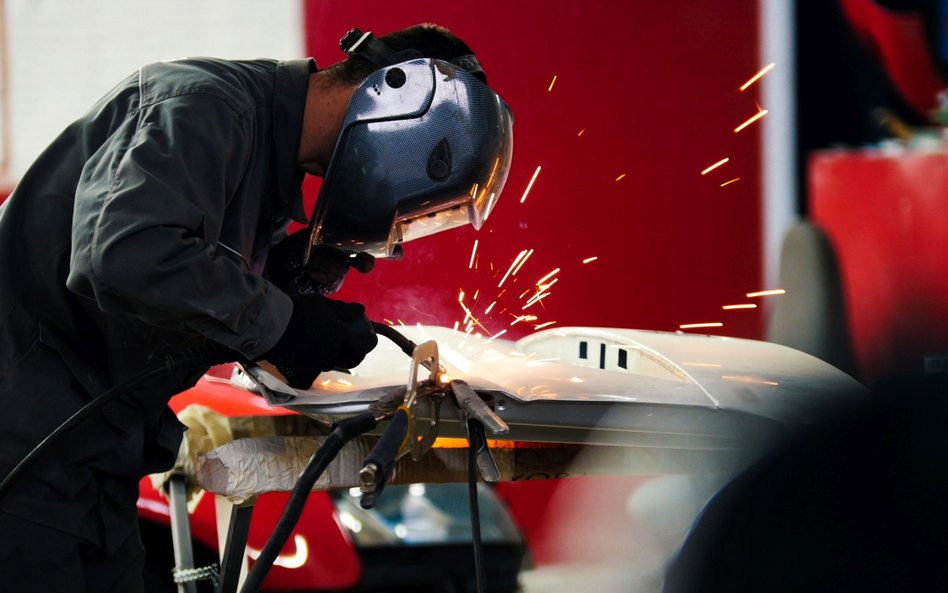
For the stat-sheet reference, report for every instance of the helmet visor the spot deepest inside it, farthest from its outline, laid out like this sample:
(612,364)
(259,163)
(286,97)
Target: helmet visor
(472,208)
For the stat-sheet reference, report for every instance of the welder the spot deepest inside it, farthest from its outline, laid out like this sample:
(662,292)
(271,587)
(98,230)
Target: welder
(158,223)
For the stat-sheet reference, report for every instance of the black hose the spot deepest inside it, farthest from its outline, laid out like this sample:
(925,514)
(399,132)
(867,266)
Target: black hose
(344,431)
(202,356)
(406,345)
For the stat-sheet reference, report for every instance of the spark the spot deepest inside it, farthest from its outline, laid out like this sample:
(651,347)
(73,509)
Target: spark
(456,324)
(757,76)
(389,321)
(761,293)
(495,336)
(620,177)
(461,296)
(590,259)
(552,82)
(512,265)
(694,325)
(523,294)
(476,292)
(741,306)
(491,306)
(519,318)
(530,185)
(715,165)
(402,323)
(344,382)
(473,320)
(753,118)
(536,299)
(473,253)
(542,325)
(542,287)
(523,261)
(548,276)
(581,132)
(730,181)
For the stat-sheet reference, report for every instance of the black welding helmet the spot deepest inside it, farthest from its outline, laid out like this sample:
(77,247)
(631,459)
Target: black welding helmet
(425,146)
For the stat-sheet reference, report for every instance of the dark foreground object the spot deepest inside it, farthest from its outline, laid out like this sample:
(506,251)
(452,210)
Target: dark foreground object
(859,503)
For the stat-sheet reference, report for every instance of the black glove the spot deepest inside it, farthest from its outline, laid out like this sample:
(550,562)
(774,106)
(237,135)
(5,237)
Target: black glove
(322,334)
(323,275)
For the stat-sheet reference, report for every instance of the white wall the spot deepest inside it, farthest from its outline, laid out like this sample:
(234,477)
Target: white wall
(62,55)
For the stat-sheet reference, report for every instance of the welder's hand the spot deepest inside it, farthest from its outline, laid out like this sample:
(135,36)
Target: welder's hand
(325,272)
(322,334)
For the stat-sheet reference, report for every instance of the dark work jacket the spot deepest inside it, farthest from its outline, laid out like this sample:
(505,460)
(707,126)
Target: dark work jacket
(140,231)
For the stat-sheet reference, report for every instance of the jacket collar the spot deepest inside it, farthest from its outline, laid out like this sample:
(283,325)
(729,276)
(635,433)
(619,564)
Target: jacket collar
(289,101)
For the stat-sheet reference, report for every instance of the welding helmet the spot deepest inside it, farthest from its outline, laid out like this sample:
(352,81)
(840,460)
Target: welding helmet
(425,146)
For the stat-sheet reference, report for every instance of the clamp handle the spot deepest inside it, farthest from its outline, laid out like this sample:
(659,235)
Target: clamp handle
(380,461)
(476,409)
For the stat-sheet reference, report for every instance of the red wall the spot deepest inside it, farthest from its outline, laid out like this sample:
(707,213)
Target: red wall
(655,86)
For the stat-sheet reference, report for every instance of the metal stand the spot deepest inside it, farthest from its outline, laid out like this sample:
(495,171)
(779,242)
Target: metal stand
(233,559)
(181,530)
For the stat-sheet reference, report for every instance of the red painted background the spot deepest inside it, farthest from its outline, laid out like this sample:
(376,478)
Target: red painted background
(655,87)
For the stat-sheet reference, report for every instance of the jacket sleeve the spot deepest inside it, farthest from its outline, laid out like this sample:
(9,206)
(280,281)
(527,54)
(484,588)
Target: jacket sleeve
(148,214)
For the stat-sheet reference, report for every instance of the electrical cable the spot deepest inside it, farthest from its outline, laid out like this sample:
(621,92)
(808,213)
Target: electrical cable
(344,431)
(207,355)
(472,473)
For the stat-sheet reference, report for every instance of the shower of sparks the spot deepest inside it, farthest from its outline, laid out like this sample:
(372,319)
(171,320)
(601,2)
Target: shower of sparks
(495,336)
(741,306)
(590,259)
(620,177)
(761,293)
(491,306)
(715,165)
(512,265)
(754,118)
(530,185)
(757,76)
(552,82)
(581,132)
(696,325)
(542,325)
(473,253)
(729,182)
